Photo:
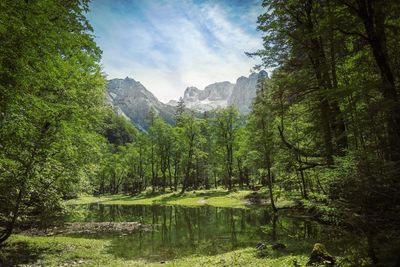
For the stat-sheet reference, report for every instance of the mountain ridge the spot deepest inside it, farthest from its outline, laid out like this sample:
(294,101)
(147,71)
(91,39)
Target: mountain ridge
(222,94)
(131,99)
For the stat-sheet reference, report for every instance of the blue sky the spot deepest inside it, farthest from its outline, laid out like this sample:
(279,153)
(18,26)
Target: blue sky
(172,44)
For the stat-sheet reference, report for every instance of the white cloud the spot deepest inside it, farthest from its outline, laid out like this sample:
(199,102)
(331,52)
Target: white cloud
(168,50)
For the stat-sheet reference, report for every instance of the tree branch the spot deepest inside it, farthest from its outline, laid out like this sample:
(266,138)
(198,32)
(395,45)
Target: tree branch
(359,34)
(295,149)
(310,165)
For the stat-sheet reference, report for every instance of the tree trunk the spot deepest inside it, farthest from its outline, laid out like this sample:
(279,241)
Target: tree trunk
(271,196)
(373,18)
(10,226)
(189,163)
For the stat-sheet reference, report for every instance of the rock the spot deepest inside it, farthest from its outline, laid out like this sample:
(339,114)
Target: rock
(260,246)
(244,92)
(262,251)
(213,96)
(278,246)
(223,94)
(130,99)
(320,256)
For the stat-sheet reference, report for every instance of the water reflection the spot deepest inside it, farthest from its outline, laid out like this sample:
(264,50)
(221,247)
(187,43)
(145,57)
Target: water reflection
(181,231)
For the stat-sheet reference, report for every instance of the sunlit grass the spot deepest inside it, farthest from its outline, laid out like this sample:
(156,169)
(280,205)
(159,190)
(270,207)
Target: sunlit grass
(66,251)
(60,251)
(87,199)
(214,197)
(242,257)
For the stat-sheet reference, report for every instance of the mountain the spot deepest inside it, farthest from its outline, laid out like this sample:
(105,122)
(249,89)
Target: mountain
(222,94)
(244,91)
(132,100)
(213,96)
(129,98)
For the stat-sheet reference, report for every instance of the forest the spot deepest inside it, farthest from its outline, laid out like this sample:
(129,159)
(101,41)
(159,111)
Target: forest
(323,133)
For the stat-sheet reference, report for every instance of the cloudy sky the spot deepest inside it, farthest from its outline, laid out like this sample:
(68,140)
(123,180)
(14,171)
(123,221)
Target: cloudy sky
(172,44)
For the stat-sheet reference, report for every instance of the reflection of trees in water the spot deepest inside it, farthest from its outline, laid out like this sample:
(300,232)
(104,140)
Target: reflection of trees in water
(164,230)
(233,229)
(189,226)
(181,231)
(274,220)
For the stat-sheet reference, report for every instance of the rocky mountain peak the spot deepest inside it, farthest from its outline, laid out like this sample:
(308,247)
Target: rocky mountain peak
(218,91)
(191,93)
(245,90)
(213,96)
(222,94)
(132,100)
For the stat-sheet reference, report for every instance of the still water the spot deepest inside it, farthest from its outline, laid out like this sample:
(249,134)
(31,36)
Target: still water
(182,231)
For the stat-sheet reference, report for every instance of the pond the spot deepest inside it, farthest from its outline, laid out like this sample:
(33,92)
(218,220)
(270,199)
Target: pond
(182,231)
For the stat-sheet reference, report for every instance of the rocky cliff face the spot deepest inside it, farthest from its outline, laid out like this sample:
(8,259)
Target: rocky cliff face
(222,94)
(244,92)
(132,100)
(213,96)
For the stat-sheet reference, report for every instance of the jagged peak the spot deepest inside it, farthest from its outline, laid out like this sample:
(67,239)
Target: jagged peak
(218,83)
(241,78)
(189,88)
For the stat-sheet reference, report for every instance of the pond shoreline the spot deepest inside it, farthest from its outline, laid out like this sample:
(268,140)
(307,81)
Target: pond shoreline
(215,228)
(88,228)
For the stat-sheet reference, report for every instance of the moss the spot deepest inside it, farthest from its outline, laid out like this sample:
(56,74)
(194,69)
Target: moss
(320,255)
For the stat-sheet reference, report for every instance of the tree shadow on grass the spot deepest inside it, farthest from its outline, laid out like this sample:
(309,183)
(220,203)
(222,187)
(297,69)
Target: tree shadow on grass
(133,197)
(180,196)
(17,253)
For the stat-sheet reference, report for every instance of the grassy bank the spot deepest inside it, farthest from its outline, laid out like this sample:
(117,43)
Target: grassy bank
(214,197)
(69,251)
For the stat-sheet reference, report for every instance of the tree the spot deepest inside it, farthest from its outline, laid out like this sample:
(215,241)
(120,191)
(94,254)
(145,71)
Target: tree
(51,95)
(226,125)
(334,99)
(161,133)
(373,15)
(190,134)
(263,135)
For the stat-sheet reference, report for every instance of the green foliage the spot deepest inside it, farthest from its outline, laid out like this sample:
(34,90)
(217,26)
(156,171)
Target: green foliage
(324,130)
(118,130)
(52,95)
(333,107)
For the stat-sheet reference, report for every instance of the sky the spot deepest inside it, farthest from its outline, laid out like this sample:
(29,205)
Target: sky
(169,45)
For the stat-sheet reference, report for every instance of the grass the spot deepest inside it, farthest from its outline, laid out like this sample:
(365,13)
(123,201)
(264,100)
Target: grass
(215,197)
(59,251)
(212,197)
(87,199)
(22,250)
(242,257)
(69,251)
